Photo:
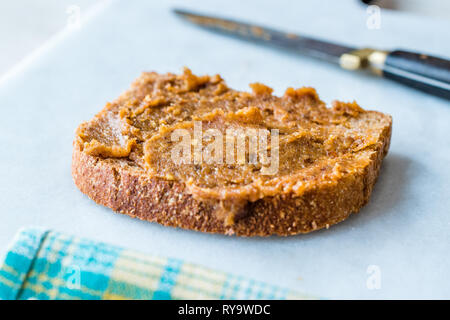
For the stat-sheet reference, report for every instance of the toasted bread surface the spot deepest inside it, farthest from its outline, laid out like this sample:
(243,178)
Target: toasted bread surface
(328,160)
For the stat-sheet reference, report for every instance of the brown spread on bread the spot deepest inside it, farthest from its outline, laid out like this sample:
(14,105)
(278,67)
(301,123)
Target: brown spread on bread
(317,145)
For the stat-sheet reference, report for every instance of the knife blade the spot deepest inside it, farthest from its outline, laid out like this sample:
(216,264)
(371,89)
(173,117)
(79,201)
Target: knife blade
(245,31)
(420,71)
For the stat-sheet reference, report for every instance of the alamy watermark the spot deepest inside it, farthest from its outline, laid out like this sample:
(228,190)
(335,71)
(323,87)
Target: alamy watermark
(229,149)
(373,281)
(73,277)
(74,17)
(373,21)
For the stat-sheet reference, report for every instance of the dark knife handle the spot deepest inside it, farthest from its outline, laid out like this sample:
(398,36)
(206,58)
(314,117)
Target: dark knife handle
(420,71)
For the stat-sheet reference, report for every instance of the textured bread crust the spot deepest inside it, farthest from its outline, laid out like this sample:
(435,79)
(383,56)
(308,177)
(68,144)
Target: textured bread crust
(128,191)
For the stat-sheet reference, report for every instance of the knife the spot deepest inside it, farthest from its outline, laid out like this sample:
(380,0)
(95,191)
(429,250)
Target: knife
(417,70)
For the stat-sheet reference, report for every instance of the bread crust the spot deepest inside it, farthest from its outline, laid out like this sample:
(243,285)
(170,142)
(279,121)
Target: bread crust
(168,203)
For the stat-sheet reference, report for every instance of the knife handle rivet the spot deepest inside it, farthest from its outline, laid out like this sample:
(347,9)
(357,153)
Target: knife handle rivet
(363,58)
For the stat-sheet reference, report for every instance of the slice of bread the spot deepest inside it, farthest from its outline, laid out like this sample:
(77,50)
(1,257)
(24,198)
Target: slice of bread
(328,159)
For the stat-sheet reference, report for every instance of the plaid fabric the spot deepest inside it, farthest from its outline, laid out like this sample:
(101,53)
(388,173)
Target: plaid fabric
(44,264)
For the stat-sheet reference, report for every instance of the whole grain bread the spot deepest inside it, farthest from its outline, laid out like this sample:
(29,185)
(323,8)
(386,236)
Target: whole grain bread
(114,158)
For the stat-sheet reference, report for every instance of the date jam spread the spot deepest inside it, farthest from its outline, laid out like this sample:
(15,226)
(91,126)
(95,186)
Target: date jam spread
(314,144)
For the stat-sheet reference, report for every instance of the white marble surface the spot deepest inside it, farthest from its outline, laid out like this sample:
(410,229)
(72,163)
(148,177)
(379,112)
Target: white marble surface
(404,230)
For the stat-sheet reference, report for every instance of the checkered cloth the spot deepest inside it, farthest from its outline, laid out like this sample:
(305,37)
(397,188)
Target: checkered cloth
(44,264)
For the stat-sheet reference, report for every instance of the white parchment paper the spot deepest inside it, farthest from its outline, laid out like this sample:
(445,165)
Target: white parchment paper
(405,229)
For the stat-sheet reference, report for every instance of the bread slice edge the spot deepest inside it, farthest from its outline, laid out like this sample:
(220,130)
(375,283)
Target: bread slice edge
(168,202)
